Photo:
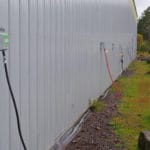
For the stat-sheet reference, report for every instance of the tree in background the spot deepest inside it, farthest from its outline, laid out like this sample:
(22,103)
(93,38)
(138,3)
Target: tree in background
(140,40)
(144,24)
(143,38)
(142,45)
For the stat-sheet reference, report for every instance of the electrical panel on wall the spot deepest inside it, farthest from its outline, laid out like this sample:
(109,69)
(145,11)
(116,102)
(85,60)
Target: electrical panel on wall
(4,41)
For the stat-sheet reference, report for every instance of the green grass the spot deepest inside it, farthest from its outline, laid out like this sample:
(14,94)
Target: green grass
(134,107)
(118,146)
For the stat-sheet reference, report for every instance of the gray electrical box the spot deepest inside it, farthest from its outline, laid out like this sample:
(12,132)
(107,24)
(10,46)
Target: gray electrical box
(4,40)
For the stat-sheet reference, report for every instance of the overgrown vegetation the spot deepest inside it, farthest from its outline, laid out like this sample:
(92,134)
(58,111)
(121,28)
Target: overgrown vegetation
(142,45)
(134,108)
(96,105)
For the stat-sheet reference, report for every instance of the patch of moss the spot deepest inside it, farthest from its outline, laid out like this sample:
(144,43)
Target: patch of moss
(118,146)
(96,105)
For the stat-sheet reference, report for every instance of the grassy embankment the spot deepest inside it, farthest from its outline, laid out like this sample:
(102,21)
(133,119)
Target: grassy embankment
(134,106)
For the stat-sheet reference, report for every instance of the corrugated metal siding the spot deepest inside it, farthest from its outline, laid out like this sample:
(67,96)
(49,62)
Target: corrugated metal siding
(56,65)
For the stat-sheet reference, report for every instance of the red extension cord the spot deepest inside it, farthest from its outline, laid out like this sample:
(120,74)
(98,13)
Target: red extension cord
(114,84)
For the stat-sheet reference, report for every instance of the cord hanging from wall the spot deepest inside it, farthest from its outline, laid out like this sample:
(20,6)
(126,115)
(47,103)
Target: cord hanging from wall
(4,41)
(115,86)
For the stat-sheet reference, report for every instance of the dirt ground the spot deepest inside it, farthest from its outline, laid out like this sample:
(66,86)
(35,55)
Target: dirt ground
(97,132)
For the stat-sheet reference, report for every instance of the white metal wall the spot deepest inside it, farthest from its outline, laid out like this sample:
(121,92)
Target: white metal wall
(56,65)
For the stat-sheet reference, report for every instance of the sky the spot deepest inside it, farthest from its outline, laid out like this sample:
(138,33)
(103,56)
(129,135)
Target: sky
(141,5)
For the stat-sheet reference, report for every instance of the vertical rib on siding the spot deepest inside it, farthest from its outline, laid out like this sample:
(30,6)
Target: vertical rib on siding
(33,18)
(14,72)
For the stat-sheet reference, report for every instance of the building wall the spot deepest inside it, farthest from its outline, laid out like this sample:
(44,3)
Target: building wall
(56,64)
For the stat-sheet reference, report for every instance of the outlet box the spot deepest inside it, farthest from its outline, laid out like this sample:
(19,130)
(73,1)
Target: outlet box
(4,40)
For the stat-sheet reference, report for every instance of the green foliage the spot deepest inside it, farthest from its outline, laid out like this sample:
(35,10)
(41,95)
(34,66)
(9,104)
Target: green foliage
(144,47)
(118,146)
(96,105)
(140,40)
(143,37)
(144,24)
